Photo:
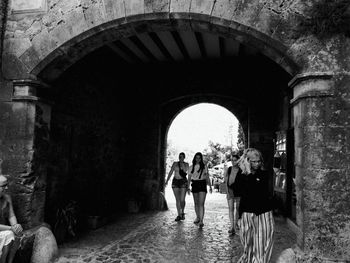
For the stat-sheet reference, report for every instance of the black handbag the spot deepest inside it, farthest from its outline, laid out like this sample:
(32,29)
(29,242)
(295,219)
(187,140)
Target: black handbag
(182,173)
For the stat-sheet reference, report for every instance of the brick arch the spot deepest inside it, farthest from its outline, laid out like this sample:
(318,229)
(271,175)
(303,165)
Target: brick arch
(69,37)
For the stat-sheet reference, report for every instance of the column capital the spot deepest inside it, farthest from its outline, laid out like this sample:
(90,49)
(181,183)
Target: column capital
(311,85)
(28,90)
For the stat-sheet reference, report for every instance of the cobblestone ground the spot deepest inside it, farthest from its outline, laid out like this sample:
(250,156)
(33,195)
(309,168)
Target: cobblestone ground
(156,237)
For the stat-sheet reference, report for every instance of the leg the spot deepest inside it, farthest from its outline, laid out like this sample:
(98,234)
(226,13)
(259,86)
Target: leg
(230,203)
(13,250)
(263,237)
(182,200)
(246,235)
(5,251)
(235,213)
(202,196)
(177,193)
(196,205)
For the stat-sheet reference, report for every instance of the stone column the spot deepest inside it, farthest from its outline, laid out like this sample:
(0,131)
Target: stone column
(24,141)
(321,114)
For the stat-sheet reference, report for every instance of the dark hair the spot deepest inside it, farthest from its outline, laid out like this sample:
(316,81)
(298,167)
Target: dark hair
(182,153)
(235,156)
(201,163)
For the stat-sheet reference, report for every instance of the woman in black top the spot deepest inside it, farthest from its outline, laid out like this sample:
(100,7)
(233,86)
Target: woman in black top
(179,185)
(255,210)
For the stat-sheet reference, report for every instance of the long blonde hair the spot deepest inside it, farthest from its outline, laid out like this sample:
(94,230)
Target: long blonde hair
(243,162)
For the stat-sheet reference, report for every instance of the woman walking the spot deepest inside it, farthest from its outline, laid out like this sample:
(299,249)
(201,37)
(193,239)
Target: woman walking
(255,209)
(179,185)
(199,178)
(232,193)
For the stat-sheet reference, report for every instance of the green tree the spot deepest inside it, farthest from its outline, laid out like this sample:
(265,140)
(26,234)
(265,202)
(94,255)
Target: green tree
(240,140)
(214,154)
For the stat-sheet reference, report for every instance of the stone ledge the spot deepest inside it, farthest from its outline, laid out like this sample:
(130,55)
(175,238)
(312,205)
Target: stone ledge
(307,76)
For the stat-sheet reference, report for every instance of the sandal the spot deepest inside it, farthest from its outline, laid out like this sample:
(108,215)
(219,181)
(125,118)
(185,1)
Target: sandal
(201,225)
(183,216)
(178,218)
(196,221)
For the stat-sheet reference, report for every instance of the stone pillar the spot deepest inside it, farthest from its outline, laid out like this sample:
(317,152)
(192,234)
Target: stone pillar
(24,141)
(321,116)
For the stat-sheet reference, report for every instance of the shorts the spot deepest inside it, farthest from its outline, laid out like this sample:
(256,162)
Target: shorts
(179,183)
(230,195)
(199,186)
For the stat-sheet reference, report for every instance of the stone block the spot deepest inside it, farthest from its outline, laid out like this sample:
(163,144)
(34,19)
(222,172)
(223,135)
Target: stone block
(224,9)
(134,7)
(75,22)
(267,21)
(180,6)
(23,6)
(157,6)
(94,13)
(115,9)
(13,67)
(30,59)
(16,46)
(247,12)
(202,7)
(43,44)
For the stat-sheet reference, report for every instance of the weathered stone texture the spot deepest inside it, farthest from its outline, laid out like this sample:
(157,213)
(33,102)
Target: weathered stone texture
(22,161)
(323,184)
(114,9)
(66,20)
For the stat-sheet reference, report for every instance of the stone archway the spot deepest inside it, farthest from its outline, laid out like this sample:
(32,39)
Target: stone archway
(42,46)
(172,108)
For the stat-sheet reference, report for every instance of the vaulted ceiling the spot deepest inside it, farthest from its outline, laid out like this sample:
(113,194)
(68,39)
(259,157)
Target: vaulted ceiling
(176,46)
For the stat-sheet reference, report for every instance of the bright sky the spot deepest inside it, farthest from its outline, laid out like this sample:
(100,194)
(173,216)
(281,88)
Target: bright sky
(196,125)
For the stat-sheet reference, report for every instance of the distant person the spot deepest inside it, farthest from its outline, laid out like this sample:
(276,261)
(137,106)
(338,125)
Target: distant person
(199,178)
(179,185)
(232,194)
(255,209)
(9,228)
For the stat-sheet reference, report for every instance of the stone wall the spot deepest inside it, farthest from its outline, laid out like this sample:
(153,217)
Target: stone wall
(3,12)
(24,159)
(322,162)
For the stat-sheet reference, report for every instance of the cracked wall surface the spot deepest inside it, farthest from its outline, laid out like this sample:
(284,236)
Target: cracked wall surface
(271,26)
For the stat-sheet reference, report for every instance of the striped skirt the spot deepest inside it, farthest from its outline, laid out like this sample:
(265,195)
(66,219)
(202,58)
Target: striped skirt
(256,233)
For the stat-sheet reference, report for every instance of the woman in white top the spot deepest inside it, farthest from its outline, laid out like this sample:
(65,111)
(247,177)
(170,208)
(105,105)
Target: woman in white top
(179,185)
(199,178)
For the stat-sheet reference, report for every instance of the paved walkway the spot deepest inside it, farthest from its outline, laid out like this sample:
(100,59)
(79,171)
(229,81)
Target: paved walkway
(156,237)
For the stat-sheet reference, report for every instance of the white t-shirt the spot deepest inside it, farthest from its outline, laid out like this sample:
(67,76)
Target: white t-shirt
(197,175)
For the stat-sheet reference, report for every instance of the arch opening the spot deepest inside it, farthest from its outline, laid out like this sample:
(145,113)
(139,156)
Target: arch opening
(207,128)
(110,119)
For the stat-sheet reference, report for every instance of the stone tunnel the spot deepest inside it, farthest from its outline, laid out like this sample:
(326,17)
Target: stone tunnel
(89,89)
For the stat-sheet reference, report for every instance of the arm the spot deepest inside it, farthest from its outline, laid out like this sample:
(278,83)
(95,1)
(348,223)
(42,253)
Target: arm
(170,173)
(15,227)
(189,181)
(208,180)
(225,174)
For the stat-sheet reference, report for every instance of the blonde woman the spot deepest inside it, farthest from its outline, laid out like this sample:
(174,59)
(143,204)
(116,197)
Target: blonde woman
(255,209)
